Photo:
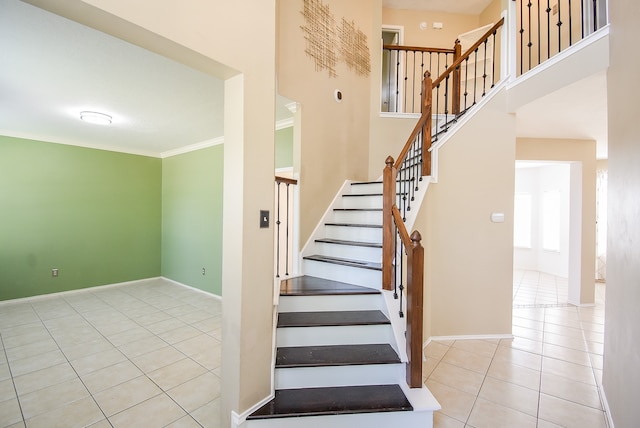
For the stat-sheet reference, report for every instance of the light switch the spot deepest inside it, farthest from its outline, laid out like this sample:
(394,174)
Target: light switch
(497,217)
(264,218)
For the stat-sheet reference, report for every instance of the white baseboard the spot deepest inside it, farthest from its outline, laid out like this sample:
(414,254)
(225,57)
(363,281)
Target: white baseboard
(607,410)
(192,288)
(76,291)
(238,419)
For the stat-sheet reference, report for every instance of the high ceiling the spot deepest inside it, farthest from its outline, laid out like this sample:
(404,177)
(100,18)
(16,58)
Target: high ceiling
(52,68)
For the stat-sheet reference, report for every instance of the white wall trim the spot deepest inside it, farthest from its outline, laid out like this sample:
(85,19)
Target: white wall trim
(76,291)
(605,405)
(192,147)
(394,115)
(46,139)
(192,288)
(284,123)
(239,419)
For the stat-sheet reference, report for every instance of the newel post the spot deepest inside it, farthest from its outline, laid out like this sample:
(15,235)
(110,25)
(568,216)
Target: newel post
(427,106)
(455,102)
(415,295)
(388,200)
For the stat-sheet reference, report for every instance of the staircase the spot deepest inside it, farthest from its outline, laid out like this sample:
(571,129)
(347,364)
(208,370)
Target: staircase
(338,362)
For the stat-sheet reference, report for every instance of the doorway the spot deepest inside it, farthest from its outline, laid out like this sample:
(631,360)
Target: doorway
(543,232)
(391,92)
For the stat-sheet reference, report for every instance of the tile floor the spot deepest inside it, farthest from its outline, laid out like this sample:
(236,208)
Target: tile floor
(143,355)
(547,376)
(149,355)
(531,288)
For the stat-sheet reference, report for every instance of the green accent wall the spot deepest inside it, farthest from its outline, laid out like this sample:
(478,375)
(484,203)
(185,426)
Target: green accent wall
(192,185)
(284,148)
(95,215)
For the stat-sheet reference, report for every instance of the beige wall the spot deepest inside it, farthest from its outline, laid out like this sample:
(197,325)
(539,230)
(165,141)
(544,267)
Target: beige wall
(583,151)
(469,259)
(191,32)
(621,375)
(333,136)
(453,25)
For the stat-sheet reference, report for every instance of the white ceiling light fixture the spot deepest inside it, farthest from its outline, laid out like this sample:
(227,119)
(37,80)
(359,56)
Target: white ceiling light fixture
(96,118)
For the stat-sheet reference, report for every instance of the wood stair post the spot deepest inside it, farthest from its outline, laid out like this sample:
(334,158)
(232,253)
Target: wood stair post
(388,234)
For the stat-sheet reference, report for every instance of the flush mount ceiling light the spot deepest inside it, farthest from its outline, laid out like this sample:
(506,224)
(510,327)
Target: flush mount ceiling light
(95,118)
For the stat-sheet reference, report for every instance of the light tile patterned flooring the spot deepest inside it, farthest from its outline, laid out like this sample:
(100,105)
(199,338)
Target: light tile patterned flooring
(148,355)
(548,376)
(531,288)
(141,355)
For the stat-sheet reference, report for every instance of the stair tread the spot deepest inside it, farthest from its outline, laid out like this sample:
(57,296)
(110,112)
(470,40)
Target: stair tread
(356,195)
(366,182)
(335,355)
(358,209)
(312,286)
(345,262)
(374,226)
(334,401)
(352,243)
(331,318)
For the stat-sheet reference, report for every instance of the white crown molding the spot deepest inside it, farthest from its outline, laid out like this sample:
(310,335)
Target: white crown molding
(292,106)
(284,123)
(192,147)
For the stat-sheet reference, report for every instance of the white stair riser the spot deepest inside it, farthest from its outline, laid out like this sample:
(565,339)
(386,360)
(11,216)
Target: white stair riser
(363,189)
(335,335)
(364,234)
(351,275)
(360,420)
(352,252)
(358,217)
(310,377)
(362,202)
(361,302)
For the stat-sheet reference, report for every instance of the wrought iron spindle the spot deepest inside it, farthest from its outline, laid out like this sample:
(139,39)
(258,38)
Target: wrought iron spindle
(559,24)
(570,25)
(475,76)
(539,33)
(397,81)
(493,61)
(521,31)
(466,81)
(529,44)
(286,271)
(401,286)
(548,30)
(484,70)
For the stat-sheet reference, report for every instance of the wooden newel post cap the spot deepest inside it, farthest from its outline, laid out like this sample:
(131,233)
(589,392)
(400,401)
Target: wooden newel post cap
(427,74)
(389,161)
(416,238)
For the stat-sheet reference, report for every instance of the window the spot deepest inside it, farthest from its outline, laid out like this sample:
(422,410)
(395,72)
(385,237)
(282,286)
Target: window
(551,220)
(522,220)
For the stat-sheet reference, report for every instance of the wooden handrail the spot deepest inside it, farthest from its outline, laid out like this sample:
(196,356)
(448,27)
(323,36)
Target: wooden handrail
(286,180)
(418,49)
(468,53)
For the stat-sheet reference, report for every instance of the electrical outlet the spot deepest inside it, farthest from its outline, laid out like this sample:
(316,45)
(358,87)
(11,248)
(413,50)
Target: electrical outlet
(203,271)
(54,273)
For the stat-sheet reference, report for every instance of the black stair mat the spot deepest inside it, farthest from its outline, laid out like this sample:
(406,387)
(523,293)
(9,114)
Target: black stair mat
(335,355)
(331,318)
(312,286)
(351,243)
(373,226)
(334,401)
(345,262)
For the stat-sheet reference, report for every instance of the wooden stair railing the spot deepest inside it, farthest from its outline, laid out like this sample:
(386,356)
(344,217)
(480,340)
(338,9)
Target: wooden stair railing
(400,182)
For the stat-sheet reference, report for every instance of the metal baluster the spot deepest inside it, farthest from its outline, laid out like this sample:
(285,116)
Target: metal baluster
(421,74)
(278,235)
(287,233)
(548,30)
(559,24)
(466,81)
(403,187)
(395,261)
(420,149)
(475,77)
(493,61)
(413,97)
(446,103)
(595,15)
(521,39)
(484,70)
(389,107)
(570,25)
(529,44)
(397,82)
(406,68)
(401,287)
(437,112)
(539,33)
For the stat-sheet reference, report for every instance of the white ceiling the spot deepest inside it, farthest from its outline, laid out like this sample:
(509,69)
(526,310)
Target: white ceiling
(469,7)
